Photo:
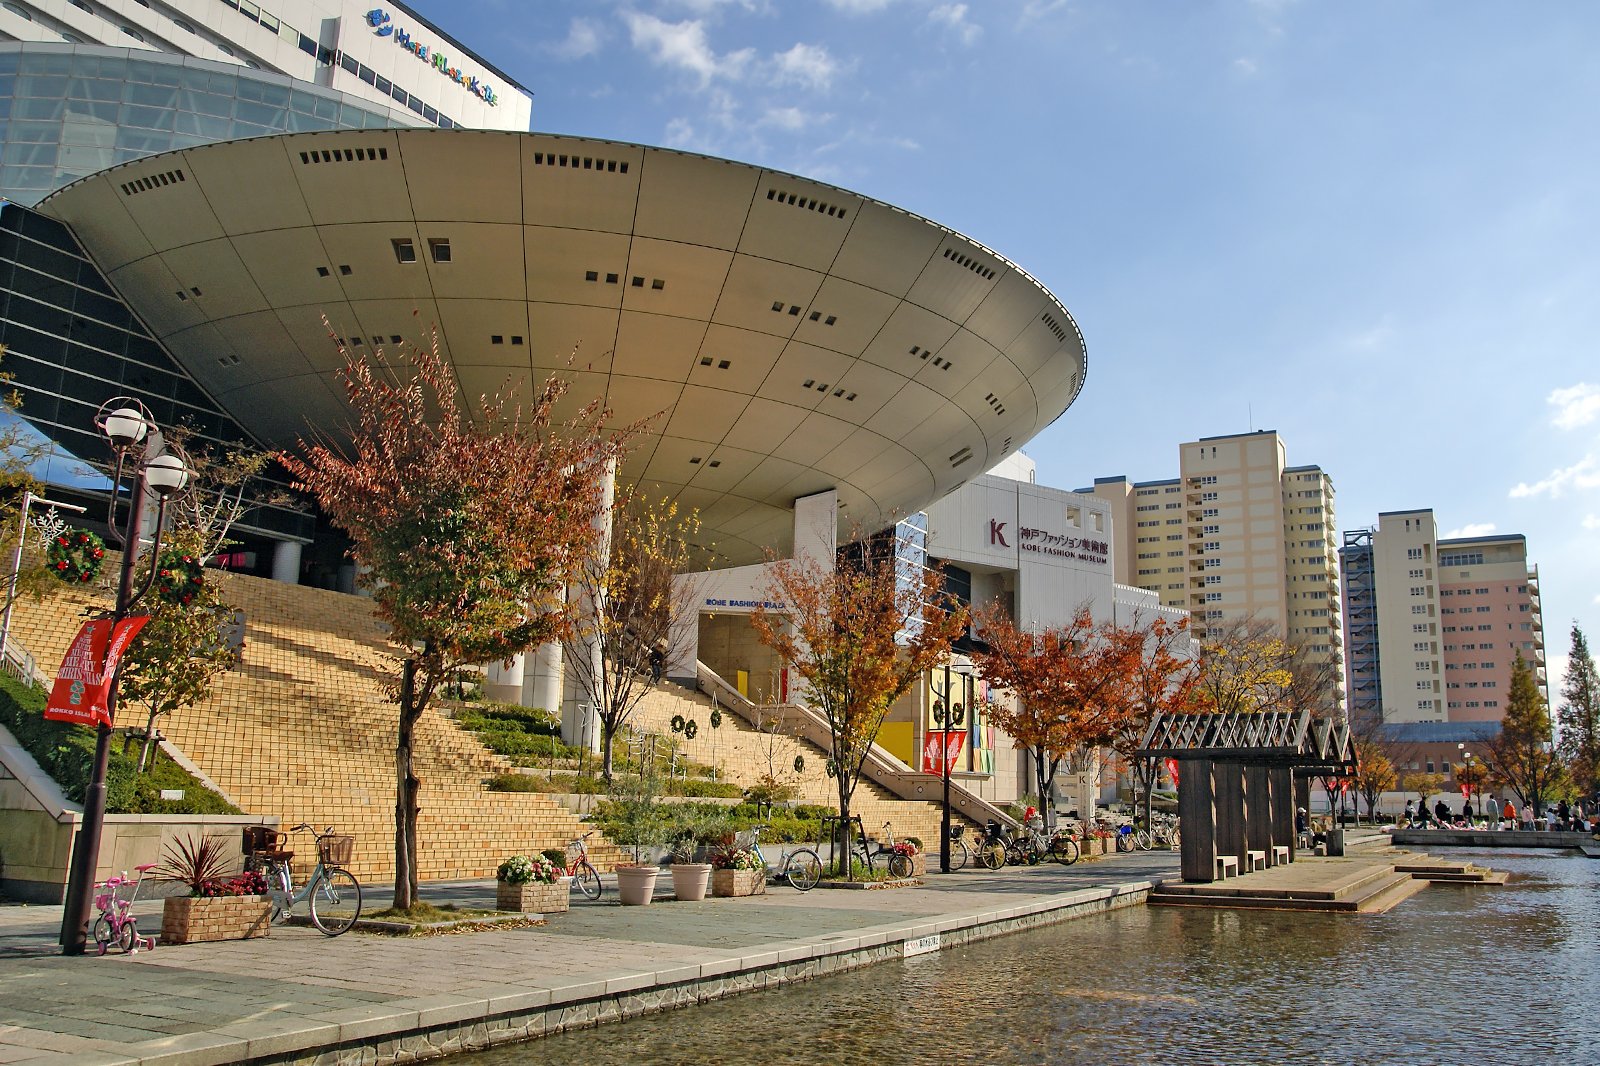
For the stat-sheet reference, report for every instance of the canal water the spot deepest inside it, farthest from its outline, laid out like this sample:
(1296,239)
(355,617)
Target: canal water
(1455,975)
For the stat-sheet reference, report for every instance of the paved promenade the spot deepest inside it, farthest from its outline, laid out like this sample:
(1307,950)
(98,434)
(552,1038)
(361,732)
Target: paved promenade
(298,996)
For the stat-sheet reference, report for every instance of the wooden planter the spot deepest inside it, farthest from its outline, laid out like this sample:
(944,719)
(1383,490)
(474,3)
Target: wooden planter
(536,897)
(198,920)
(738,882)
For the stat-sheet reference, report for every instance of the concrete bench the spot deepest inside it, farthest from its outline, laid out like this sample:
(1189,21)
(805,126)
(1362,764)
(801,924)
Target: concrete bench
(1280,854)
(1227,866)
(1255,860)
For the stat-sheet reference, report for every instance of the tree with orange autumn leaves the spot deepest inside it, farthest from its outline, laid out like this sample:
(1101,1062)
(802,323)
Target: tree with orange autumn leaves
(1072,687)
(860,629)
(465,524)
(1165,679)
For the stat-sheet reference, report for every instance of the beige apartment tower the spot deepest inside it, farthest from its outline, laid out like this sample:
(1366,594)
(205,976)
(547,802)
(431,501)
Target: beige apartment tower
(1238,534)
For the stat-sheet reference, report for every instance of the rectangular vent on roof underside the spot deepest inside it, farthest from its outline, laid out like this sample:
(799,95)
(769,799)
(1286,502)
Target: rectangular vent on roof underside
(154,181)
(343,155)
(580,162)
(960,457)
(1054,326)
(821,207)
(983,270)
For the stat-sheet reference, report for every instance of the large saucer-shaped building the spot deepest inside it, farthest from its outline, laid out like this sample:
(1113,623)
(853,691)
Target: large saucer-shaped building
(785,337)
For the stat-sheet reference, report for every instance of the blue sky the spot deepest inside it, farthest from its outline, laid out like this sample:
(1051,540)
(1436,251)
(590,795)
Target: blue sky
(1369,226)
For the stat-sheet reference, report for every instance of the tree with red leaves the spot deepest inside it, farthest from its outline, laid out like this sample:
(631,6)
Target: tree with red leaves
(465,525)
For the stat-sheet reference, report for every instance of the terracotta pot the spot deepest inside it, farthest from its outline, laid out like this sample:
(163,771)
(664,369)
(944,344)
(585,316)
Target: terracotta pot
(690,880)
(535,897)
(738,882)
(197,919)
(636,884)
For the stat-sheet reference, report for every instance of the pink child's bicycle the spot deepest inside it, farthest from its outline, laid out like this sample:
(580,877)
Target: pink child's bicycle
(116,924)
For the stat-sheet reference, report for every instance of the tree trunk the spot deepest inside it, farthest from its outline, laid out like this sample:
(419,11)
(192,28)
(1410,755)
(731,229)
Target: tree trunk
(405,801)
(846,866)
(149,742)
(608,738)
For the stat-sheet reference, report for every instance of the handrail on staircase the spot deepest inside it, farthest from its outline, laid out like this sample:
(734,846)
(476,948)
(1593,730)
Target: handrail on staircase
(880,767)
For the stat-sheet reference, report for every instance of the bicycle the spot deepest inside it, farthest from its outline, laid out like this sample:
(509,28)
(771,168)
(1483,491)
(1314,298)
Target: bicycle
(585,878)
(116,924)
(960,854)
(900,865)
(802,867)
(996,842)
(1064,846)
(332,892)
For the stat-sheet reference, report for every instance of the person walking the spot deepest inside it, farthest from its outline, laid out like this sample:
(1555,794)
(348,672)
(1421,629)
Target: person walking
(1411,811)
(1508,817)
(1527,817)
(1441,812)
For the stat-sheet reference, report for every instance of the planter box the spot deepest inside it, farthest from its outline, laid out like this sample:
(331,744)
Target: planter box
(535,897)
(919,864)
(738,882)
(197,920)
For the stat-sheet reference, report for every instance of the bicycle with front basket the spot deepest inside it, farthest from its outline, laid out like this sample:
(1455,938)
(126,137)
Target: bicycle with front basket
(332,893)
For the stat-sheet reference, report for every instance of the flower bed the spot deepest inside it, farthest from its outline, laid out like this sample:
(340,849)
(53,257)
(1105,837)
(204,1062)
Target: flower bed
(734,882)
(535,897)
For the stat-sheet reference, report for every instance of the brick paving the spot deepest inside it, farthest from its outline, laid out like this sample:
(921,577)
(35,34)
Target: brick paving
(295,990)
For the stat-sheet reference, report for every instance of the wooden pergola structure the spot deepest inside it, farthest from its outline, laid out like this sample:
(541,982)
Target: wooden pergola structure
(1240,777)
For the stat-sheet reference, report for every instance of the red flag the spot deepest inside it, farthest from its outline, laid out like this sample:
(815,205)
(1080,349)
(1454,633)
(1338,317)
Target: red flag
(1172,771)
(84,680)
(946,742)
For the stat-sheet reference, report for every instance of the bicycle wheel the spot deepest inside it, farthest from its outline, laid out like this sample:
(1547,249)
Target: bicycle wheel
(335,901)
(101,931)
(992,856)
(587,880)
(280,891)
(1065,850)
(1141,839)
(960,855)
(803,869)
(1124,841)
(899,866)
(128,936)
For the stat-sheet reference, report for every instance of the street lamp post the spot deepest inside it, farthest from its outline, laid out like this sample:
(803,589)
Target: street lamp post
(127,424)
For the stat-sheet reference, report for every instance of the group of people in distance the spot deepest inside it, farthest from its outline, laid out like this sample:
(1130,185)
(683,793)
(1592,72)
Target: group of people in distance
(1568,817)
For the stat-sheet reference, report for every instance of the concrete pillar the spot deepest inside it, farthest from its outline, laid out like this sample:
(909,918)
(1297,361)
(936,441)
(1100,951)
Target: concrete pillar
(1281,781)
(1257,810)
(541,680)
(1228,782)
(286,562)
(503,680)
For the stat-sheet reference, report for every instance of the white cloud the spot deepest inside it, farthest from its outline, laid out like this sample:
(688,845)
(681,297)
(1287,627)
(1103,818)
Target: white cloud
(1471,529)
(1584,474)
(583,39)
(786,118)
(1577,405)
(1591,521)
(859,7)
(809,65)
(684,45)
(1247,67)
(954,18)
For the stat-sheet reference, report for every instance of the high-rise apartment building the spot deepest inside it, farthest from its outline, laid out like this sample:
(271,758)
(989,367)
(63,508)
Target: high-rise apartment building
(1435,625)
(1238,534)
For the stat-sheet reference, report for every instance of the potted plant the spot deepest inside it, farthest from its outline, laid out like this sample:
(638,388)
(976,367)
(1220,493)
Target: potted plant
(641,824)
(690,878)
(911,848)
(531,884)
(218,906)
(737,872)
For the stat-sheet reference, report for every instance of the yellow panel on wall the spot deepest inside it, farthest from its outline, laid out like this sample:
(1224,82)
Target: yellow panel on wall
(742,682)
(897,738)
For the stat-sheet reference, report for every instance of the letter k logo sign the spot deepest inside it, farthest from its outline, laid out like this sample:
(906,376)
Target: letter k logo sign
(997,533)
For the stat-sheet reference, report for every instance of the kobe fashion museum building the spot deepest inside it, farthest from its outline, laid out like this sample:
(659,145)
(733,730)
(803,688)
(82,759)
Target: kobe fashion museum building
(197,190)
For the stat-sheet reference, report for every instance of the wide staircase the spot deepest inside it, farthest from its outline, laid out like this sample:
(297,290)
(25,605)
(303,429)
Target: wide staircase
(745,755)
(303,731)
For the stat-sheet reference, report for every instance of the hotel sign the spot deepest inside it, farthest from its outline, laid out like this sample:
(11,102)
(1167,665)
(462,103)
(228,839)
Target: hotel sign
(383,26)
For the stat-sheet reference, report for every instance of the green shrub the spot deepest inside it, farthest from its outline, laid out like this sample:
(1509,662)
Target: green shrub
(66,753)
(699,786)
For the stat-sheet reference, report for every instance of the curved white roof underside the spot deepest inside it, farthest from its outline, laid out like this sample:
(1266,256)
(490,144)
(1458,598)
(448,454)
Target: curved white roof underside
(789,336)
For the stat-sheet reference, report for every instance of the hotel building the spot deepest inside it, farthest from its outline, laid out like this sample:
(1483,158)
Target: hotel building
(1435,625)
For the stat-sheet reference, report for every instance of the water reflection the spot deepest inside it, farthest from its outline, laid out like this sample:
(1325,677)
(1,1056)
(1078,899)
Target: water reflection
(1454,975)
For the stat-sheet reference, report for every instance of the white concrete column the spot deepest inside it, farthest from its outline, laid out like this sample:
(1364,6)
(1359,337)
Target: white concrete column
(816,526)
(541,679)
(286,562)
(503,680)
(580,721)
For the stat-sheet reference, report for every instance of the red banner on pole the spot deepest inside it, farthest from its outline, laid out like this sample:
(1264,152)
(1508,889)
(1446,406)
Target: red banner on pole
(84,680)
(1172,771)
(947,742)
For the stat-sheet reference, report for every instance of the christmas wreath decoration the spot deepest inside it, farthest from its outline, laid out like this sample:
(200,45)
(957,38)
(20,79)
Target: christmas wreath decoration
(690,728)
(75,555)
(799,764)
(716,719)
(179,578)
(678,722)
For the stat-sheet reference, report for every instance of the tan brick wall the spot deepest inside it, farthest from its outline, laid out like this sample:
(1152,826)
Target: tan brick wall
(191,920)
